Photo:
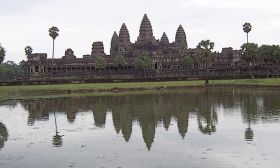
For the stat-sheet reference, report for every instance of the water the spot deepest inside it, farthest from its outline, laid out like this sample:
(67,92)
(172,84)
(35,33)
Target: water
(208,128)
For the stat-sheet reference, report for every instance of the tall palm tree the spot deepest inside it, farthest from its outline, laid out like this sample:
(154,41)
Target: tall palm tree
(53,33)
(28,50)
(247,27)
(205,49)
(2,54)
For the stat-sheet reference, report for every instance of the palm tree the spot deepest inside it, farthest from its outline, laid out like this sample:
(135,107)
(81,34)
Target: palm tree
(28,50)
(205,48)
(247,27)
(53,33)
(2,54)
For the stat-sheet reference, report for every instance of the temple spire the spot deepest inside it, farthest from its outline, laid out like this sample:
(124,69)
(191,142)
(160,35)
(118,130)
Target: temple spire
(146,31)
(124,34)
(180,39)
(164,39)
(114,44)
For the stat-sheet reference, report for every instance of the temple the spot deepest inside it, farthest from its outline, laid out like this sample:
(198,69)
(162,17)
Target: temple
(167,59)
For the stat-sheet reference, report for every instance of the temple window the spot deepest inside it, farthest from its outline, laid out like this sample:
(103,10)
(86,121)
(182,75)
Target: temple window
(36,68)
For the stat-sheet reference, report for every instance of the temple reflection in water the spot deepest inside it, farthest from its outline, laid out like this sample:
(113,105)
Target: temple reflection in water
(159,109)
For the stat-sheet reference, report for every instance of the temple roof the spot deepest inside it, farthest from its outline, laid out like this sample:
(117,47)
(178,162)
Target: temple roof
(180,38)
(124,36)
(146,30)
(114,43)
(164,39)
(115,38)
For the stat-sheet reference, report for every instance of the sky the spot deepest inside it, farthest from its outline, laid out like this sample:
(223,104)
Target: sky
(81,22)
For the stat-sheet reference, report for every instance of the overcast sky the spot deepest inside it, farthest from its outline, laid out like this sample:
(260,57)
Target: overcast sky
(81,22)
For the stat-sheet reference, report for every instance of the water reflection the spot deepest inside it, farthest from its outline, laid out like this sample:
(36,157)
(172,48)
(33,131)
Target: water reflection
(207,115)
(159,109)
(57,139)
(3,135)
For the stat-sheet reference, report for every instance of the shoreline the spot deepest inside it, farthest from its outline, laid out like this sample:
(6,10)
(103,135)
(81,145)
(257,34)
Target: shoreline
(42,91)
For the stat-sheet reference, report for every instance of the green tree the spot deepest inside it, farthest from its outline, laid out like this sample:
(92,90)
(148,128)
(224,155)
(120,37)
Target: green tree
(143,62)
(21,63)
(205,48)
(2,54)
(275,52)
(100,62)
(28,50)
(53,33)
(188,62)
(9,71)
(119,61)
(247,27)
(22,67)
(249,53)
(265,52)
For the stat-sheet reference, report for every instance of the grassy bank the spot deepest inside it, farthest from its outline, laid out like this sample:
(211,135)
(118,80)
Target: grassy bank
(14,92)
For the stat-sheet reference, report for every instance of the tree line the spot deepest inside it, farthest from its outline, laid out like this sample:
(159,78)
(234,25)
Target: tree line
(9,70)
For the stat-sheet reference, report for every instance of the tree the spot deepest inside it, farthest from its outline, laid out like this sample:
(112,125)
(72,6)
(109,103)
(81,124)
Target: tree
(205,48)
(21,63)
(275,52)
(53,33)
(188,62)
(143,62)
(2,54)
(249,53)
(265,52)
(119,61)
(100,62)
(247,27)
(28,50)
(269,52)
(9,71)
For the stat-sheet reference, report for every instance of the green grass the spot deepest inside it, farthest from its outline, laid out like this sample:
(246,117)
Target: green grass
(25,91)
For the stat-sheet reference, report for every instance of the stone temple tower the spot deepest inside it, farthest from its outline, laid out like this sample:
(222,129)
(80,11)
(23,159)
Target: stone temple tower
(180,39)
(164,39)
(97,49)
(124,41)
(146,31)
(114,44)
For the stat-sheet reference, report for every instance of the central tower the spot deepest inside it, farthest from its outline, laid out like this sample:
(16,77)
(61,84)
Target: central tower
(146,31)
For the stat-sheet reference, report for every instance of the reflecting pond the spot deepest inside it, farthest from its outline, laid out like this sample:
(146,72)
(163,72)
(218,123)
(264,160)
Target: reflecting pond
(209,128)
